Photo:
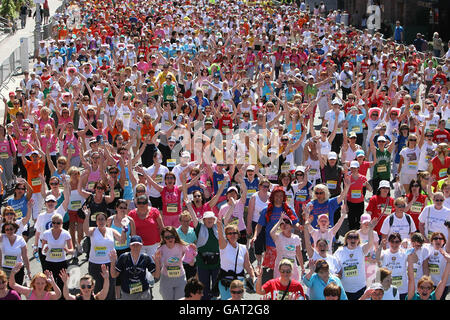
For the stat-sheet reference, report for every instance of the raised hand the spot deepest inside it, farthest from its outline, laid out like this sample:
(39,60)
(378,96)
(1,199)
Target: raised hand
(105,272)
(64,275)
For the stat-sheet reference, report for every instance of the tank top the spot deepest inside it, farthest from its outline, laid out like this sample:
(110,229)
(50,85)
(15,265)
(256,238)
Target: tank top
(350,155)
(314,171)
(259,206)
(93,177)
(75,201)
(332,177)
(101,246)
(95,208)
(121,245)
(32,296)
(382,169)
(325,146)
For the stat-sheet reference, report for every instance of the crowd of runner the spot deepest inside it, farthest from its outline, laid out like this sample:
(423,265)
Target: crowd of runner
(223,147)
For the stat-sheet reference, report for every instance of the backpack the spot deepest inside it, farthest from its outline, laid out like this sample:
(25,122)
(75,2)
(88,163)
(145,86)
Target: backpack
(408,218)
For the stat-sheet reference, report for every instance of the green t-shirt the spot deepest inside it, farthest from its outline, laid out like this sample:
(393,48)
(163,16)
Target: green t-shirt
(212,245)
(382,169)
(168,92)
(417,296)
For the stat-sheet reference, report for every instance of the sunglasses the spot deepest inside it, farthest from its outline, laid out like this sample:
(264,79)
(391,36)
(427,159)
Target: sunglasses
(412,140)
(395,241)
(9,229)
(84,286)
(142,203)
(352,237)
(56,222)
(317,193)
(54,183)
(11,213)
(122,208)
(232,233)
(140,191)
(400,206)
(285,271)
(438,200)
(100,188)
(299,175)
(169,237)
(436,238)
(114,172)
(197,196)
(237,292)
(415,186)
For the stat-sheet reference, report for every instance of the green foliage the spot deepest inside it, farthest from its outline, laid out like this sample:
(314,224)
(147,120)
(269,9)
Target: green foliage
(8,9)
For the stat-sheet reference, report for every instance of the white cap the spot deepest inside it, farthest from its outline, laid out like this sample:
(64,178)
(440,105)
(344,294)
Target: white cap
(336,101)
(332,155)
(251,168)
(384,184)
(381,138)
(301,169)
(354,164)
(185,154)
(50,197)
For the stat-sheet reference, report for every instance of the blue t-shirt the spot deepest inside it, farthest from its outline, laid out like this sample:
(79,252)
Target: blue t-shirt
(328,207)
(401,142)
(20,206)
(272,221)
(190,237)
(251,186)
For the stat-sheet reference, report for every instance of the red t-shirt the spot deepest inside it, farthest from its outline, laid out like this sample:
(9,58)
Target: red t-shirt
(377,206)
(416,207)
(440,136)
(355,193)
(276,289)
(147,228)
(363,167)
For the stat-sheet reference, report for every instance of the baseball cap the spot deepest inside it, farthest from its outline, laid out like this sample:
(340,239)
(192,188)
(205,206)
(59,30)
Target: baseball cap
(208,120)
(92,140)
(332,156)
(352,134)
(384,184)
(365,218)
(376,286)
(185,154)
(354,164)
(323,216)
(360,153)
(50,197)
(251,168)
(135,240)
(300,168)
(381,138)
(232,189)
(336,101)
(172,139)
(34,152)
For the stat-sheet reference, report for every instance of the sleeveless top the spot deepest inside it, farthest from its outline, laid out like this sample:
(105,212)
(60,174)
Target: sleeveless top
(32,296)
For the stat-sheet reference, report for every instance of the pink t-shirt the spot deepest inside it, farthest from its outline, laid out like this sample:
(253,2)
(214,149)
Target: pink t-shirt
(355,193)
(286,248)
(22,141)
(72,142)
(171,201)
(200,211)
(172,260)
(7,147)
(237,217)
(42,123)
(53,140)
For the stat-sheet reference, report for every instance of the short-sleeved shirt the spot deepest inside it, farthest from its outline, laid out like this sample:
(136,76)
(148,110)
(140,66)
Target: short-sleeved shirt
(329,207)
(147,228)
(33,171)
(276,289)
(133,276)
(272,221)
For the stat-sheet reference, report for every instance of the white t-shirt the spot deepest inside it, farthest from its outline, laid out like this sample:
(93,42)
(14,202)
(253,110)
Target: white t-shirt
(397,263)
(426,154)
(228,258)
(436,264)
(330,116)
(44,221)
(399,225)
(237,217)
(159,179)
(259,206)
(410,160)
(330,259)
(101,246)
(11,254)
(434,220)
(316,234)
(352,264)
(389,294)
(56,247)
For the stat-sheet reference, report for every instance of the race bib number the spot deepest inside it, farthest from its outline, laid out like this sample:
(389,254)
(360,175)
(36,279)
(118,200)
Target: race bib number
(158,178)
(127,183)
(126,116)
(351,271)
(285,166)
(172,207)
(56,253)
(19,213)
(76,205)
(167,123)
(382,168)
(116,193)
(356,194)
(442,173)
(416,207)
(332,184)
(169,98)
(91,185)
(10,261)
(388,210)
(397,281)
(135,287)
(412,165)
(36,182)
(434,269)
(300,198)
(23,142)
(119,244)
(234,221)
(171,163)
(100,252)
(173,271)
(250,192)
(312,172)
(4,155)
(355,129)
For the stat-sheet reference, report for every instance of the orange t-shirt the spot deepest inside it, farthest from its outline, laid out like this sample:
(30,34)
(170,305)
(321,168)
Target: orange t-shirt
(33,171)
(147,130)
(124,133)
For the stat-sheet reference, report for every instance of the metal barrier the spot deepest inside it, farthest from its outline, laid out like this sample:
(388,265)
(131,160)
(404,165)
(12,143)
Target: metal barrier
(12,65)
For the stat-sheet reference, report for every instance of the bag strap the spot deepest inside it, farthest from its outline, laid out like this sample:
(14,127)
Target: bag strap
(235,262)
(287,290)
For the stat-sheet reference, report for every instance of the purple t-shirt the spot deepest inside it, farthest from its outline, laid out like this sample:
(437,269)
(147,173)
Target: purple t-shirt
(12,295)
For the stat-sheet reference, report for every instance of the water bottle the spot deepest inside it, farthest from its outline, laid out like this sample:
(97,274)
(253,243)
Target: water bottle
(36,256)
(125,222)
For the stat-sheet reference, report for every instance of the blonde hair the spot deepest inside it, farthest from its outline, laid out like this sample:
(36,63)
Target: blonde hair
(285,262)
(236,284)
(57,217)
(322,187)
(185,214)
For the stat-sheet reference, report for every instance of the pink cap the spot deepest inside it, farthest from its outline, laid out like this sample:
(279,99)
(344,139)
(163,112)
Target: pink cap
(323,216)
(365,218)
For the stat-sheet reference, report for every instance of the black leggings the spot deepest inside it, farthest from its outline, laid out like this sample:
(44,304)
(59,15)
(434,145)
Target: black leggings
(55,268)
(147,155)
(355,211)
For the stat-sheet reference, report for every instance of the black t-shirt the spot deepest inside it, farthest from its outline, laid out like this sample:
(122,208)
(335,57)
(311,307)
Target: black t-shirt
(96,207)
(133,277)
